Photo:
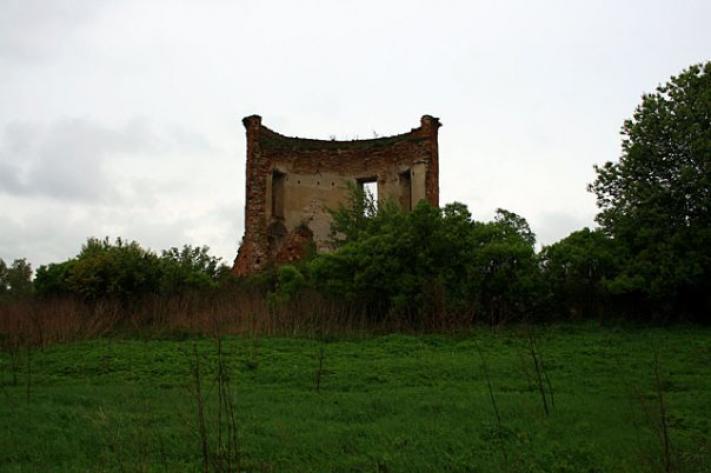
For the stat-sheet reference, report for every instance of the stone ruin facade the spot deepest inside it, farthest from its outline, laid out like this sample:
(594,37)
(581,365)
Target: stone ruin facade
(293,182)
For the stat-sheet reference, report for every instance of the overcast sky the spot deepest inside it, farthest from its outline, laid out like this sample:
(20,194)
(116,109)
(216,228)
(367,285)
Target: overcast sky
(123,118)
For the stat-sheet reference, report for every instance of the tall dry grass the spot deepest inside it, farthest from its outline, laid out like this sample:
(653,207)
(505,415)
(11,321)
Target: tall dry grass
(39,322)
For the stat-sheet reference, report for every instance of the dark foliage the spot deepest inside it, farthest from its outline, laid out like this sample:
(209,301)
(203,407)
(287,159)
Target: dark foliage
(656,200)
(124,270)
(15,280)
(428,261)
(576,271)
(650,259)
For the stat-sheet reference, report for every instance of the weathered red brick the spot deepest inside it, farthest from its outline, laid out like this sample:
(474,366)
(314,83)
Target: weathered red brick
(292,182)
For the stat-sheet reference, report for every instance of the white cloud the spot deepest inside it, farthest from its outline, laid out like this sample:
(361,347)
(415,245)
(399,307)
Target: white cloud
(68,180)
(531,96)
(32,30)
(66,159)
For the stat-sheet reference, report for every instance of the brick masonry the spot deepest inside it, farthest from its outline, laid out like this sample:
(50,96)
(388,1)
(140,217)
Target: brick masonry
(292,182)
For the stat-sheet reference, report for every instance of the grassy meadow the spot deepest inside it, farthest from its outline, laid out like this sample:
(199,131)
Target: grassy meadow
(618,399)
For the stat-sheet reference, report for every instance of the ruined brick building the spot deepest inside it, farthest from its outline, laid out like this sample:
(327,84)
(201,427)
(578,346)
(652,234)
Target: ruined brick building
(292,182)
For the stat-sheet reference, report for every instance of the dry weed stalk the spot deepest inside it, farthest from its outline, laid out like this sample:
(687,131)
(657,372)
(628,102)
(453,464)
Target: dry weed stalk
(492,398)
(228,457)
(542,380)
(319,369)
(657,416)
(200,408)
(237,310)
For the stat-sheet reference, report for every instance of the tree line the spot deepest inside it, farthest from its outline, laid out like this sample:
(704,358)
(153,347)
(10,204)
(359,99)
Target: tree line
(120,270)
(649,259)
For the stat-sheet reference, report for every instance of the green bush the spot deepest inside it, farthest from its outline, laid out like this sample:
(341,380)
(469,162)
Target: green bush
(15,280)
(577,272)
(414,263)
(655,201)
(190,268)
(123,270)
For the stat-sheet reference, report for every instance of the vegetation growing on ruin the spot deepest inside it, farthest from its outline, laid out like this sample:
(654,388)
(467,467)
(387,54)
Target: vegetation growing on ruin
(649,260)
(423,342)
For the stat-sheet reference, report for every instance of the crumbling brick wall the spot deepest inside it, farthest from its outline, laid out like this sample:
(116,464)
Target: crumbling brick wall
(292,182)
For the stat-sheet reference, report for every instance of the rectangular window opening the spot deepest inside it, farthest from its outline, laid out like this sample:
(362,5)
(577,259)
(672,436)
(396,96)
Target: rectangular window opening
(406,191)
(278,179)
(369,186)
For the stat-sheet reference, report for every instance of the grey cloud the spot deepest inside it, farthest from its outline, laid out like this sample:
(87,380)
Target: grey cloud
(10,178)
(231,218)
(62,160)
(43,238)
(187,140)
(31,30)
(74,178)
(530,95)
(67,159)
(551,227)
(53,232)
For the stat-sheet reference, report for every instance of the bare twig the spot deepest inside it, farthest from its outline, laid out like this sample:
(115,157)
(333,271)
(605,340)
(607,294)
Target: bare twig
(29,373)
(542,380)
(319,370)
(489,386)
(663,427)
(200,404)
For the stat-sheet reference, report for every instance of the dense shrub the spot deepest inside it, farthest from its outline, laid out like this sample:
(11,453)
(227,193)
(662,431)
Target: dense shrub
(650,259)
(51,279)
(656,200)
(427,261)
(577,271)
(190,268)
(16,279)
(123,270)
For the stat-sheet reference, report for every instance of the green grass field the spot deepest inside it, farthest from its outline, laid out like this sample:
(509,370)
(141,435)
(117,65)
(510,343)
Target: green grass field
(396,403)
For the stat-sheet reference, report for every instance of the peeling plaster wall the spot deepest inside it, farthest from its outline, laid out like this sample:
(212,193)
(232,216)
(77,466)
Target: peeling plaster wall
(292,182)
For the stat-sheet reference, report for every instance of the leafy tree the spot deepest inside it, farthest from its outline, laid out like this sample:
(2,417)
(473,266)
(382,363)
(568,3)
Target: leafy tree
(385,260)
(190,268)
(503,275)
(120,270)
(354,216)
(576,270)
(51,279)
(427,260)
(290,280)
(512,222)
(15,280)
(4,286)
(124,270)
(19,277)
(656,200)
